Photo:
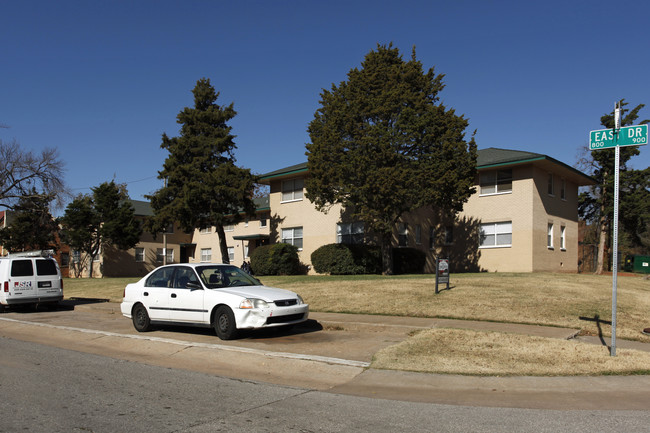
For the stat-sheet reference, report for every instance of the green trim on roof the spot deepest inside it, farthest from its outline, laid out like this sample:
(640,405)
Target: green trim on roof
(294,169)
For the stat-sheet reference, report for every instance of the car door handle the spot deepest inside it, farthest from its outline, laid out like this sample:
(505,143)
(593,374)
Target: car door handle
(173,295)
(146,293)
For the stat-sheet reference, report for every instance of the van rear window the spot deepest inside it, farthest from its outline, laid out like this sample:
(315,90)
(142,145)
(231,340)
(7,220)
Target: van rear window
(45,267)
(21,268)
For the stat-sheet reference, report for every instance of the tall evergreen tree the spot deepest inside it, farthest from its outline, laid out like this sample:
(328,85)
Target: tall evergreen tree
(203,186)
(105,218)
(382,145)
(597,204)
(31,226)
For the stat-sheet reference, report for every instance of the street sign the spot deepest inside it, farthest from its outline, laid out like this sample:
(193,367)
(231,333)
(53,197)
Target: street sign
(626,136)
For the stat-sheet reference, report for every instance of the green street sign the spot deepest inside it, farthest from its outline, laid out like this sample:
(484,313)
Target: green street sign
(627,136)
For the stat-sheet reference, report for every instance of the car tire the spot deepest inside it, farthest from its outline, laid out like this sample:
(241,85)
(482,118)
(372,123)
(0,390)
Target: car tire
(141,321)
(224,323)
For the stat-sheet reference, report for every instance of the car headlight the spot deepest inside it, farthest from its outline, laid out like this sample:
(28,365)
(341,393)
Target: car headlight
(251,303)
(300,301)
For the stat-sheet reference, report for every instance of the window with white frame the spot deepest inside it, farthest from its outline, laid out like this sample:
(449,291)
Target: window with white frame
(229,228)
(206,254)
(264,218)
(551,186)
(496,182)
(206,231)
(350,233)
(160,255)
(293,236)
(549,236)
(292,189)
(231,254)
(402,235)
(497,234)
(563,238)
(139,255)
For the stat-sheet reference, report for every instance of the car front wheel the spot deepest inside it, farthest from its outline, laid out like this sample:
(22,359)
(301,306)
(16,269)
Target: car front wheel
(224,323)
(141,321)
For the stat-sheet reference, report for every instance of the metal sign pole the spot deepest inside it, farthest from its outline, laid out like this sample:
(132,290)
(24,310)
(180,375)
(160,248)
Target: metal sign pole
(617,120)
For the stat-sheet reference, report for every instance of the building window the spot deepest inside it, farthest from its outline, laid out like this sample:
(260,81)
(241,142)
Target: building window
(229,228)
(563,189)
(160,255)
(449,235)
(231,254)
(139,255)
(403,235)
(206,231)
(206,254)
(432,238)
(549,236)
(551,187)
(496,182)
(563,238)
(496,234)
(418,234)
(76,256)
(293,236)
(292,189)
(65,260)
(264,218)
(350,233)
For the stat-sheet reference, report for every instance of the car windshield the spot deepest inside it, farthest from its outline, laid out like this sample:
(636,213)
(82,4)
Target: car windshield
(216,277)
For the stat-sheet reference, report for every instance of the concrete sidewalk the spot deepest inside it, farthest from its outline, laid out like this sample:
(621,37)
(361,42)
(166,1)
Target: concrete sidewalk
(257,360)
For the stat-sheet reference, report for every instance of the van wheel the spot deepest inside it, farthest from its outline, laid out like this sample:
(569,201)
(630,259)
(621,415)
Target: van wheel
(141,321)
(224,323)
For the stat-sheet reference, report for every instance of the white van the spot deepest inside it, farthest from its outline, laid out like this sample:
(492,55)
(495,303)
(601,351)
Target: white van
(30,278)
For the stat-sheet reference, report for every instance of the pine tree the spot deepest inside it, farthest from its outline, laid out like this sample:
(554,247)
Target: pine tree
(203,186)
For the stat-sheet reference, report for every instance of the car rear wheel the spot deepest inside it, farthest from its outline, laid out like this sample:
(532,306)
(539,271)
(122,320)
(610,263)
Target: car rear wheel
(224,323)
(141,321)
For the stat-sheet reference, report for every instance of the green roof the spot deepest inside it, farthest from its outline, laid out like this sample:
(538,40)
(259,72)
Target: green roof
(486,158)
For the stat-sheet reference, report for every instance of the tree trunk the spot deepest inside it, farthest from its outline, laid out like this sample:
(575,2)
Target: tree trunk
(223,246)
(386,254)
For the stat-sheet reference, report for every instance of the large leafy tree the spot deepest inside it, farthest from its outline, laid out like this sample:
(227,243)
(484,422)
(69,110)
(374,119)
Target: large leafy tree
(382,145)
(31,226)
(203,185)
(101,220)
(596,205)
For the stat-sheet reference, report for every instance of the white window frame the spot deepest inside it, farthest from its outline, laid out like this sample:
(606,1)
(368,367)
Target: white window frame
(170,255)
(264,218)
(140,255)
(551,185)
(229,228)
(350,233)
(490,179)
(549,236)
(231,254)
(495,229)
(292,190)
(563,237)
(206,255)
(293,236)
(206,231)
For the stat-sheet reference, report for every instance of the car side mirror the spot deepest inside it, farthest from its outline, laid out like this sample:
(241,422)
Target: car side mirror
(193,286)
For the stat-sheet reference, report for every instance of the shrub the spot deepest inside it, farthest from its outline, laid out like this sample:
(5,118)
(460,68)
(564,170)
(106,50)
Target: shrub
(335,259)
(342,259)
(276,259)
(408,261)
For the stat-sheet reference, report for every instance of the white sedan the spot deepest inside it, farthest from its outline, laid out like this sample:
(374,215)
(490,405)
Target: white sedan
(204,294)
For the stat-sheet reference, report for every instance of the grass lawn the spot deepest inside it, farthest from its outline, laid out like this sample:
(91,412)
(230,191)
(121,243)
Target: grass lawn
(569,300)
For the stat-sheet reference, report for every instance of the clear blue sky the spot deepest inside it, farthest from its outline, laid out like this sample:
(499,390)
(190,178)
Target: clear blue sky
(102,80)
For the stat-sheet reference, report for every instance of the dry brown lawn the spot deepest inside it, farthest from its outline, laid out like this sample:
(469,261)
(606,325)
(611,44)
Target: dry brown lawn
(568,300)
